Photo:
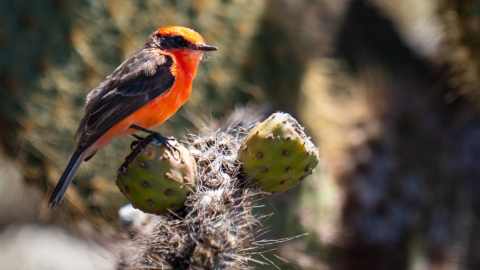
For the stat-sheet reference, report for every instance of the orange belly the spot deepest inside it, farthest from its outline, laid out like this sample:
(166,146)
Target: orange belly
(150,115)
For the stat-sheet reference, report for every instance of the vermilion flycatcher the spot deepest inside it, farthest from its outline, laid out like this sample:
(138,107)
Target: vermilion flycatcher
(143,92)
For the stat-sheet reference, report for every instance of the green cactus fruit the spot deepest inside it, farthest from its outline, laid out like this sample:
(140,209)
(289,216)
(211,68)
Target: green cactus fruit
(155,179)
(277,154)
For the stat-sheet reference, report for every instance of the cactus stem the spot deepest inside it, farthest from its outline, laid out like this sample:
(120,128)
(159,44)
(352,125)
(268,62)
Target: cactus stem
(127,190)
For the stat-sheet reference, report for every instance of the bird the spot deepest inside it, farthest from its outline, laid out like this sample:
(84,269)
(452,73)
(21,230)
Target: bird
(141,93)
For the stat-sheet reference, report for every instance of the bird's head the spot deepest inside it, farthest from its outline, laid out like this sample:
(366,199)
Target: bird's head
(180,40)
(184,44)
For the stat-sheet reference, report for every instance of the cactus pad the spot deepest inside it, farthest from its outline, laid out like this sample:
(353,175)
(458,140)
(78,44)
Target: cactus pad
(156,179)
(277,154)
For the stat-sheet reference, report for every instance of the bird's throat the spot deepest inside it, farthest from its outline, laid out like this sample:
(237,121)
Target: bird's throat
(187,60)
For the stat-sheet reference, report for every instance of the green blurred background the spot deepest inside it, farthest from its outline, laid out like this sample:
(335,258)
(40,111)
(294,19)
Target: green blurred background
(388,90)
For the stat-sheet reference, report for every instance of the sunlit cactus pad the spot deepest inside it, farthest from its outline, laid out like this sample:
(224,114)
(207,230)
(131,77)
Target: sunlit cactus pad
(155,179)
(277,155)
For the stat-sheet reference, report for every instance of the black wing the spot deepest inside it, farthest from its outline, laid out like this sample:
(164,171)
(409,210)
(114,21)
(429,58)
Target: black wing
(140,79)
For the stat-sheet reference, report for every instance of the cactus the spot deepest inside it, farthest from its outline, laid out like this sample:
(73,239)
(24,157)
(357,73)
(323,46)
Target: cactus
(156,179)
(217,229)
(277,154)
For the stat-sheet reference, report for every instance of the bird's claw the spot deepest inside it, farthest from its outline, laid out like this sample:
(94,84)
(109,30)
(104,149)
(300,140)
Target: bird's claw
(134,144)
(164,140)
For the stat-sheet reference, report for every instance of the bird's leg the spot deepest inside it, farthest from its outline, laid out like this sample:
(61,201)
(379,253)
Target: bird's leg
(159,137)
(137,137)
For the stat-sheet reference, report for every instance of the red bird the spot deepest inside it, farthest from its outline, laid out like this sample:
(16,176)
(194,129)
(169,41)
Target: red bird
(143,92)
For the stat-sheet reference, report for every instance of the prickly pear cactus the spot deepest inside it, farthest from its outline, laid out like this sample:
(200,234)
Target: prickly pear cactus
(156,179)
(277,155)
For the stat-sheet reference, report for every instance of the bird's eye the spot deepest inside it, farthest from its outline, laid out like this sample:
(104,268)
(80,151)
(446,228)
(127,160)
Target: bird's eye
(179,40)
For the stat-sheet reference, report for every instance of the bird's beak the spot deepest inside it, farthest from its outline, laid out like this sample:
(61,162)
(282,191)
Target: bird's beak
(205,47)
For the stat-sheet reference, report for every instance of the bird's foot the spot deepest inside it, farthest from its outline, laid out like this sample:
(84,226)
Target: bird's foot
(164,140)
(159,138)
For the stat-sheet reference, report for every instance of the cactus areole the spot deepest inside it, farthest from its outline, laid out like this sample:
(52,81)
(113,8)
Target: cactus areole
(277,155)
(155,179)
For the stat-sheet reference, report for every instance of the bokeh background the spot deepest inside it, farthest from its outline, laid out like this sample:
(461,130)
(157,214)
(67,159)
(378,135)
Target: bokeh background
(388,90)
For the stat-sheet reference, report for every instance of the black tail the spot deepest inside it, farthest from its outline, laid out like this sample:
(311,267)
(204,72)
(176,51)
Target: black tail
(65,180)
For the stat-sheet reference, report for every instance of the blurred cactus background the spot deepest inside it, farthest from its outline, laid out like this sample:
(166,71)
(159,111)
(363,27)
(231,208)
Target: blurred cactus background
(388,90)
